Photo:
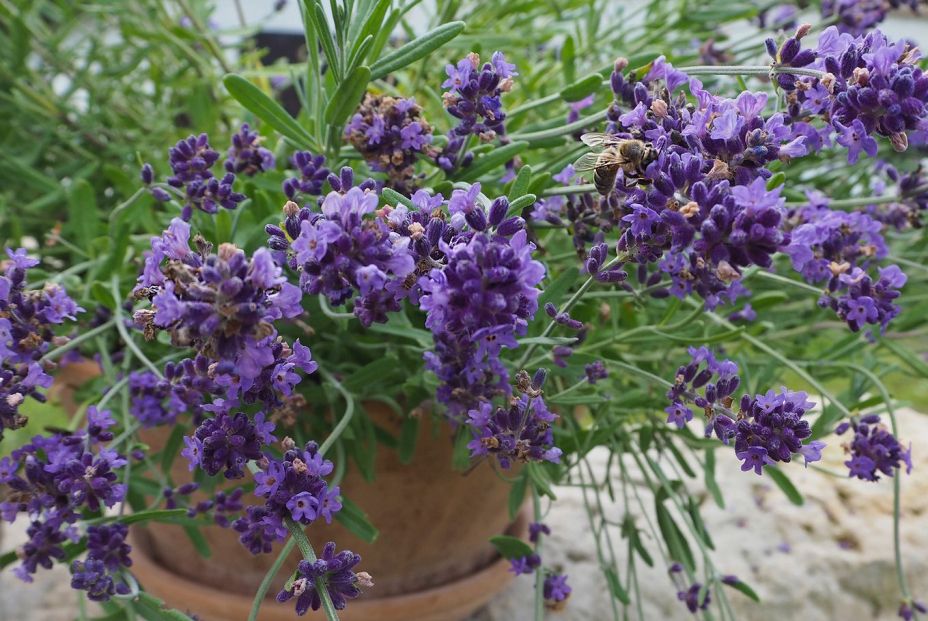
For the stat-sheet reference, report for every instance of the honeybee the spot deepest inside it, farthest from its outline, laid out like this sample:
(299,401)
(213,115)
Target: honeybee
(609,154)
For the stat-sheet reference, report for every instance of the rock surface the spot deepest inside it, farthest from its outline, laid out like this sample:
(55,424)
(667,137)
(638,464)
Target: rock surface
(829,559)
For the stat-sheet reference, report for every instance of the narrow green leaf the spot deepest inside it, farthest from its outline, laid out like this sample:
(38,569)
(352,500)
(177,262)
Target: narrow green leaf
(911,360)
(358,56)
(83,214)
(460,457)
(711,484)
(520,183)
(369,374)
(392,196)
(510,547)
(347,96)
(266,109)
(568,56)
(102,294)
(198,540)
(744,588)
(581,88)
(416,49)
(172,447)
(371,24)
(775,181)
(156,610)
(615,586)
(517,495)
(516,206)
(557,288)
(548,340)
(409,434)
(677,544)
(356,521)
(784,484)
(495,158)
(316,16)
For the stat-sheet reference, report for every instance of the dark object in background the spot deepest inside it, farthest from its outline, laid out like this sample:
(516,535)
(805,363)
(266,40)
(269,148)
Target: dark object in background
(288,45)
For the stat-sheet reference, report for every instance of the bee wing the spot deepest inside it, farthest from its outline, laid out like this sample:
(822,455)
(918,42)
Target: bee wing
(586,162)
(597,139)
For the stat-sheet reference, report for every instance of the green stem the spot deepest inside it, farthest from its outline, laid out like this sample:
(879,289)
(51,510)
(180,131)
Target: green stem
(750,70)
(570,189)
(540,572)
(77,341)
(346,417)
(563,130)
(269,577)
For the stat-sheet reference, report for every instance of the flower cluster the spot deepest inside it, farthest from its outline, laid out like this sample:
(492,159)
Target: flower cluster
(873,449)
(771,429)
(227,442)
(520,432)
(335,572)
(864,300)
(53,480)
(192,160)
(223,304)
(694,596)
(293,488)
(856,17)
(478,302)
(868,85)
(554,588)
(390,133)
(246,155)
(696,376)
(473,97)
(27,321)
(107,555)
(313,175)
(707,212)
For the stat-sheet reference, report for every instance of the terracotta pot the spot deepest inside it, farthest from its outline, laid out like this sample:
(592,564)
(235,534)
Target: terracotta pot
(431,562)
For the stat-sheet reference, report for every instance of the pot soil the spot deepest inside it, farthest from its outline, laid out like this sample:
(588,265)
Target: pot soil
(431,562)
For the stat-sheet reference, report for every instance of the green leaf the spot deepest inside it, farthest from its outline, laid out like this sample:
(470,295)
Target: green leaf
(155,515)
(581,88)
(370,374)
(911,360)
(510,547)
(548,340)
(356,521)
(416,49)
(495,158)
(541,479)
(775,181)
(517,495)
(409,433)
(768,299)
(347,96)
(314,12)
(266,109)
(223,224)
(677,544)
(198,540)
(539,183)
(460,457)
(558,287)
(568,55)
(744,588)
(154,609)
(516,206)
(520,183)
(102,294)
(618,591)
(83,214)
(392,196)
(372,23)
(784,484)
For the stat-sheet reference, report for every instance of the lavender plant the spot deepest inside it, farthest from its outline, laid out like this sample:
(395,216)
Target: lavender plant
(738,290)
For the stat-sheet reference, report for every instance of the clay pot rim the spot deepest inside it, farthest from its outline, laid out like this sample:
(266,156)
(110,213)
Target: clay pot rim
(468,592)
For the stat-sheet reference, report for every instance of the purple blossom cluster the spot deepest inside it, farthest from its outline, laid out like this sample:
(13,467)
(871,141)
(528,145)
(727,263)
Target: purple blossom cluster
(707,213)
(335,572)
(554,588)
(864,300)
(227,442)
(771,429)
(53,481)
(246,155)
(107,555)
(347,252)
(27,323)
(222,304)
(856,17)
(192,160)
(390,133)
(313,175)
(868,86)
(717,380)
(473,97)
(478,301)
(520,432)
(694,596)
(873,449)
(293,488)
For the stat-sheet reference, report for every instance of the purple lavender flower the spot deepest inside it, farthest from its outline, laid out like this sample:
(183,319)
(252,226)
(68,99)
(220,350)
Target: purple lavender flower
(294,488)
(595,371)
(390,133)
(771,429)
(192,160)
(524,564)
(224,443)
(874,449)
(520,432)
(474,99)
(313,175)
(716,397)
(336,573)
(556,590)
(855,17)
(27,323)
(246,155)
